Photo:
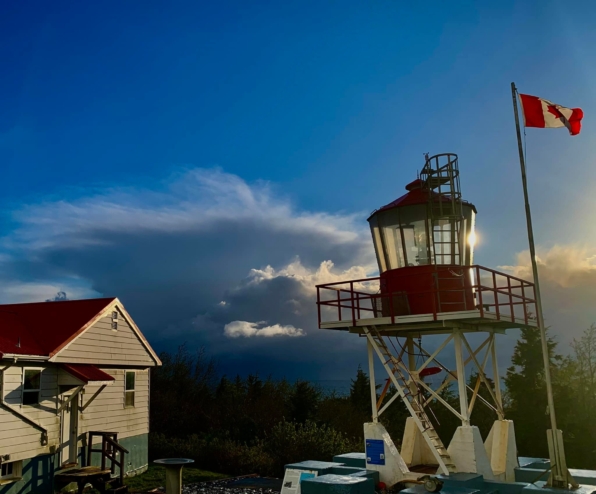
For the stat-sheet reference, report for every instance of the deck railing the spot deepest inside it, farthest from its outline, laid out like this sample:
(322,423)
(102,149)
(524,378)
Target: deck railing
(110,449)
(485,290)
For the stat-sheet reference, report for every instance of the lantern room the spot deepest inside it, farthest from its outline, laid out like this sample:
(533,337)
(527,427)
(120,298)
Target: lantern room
(423,240)
(428,225)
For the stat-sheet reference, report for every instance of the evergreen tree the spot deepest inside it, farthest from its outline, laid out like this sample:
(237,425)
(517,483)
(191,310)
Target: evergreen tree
(360,393)
(526,391)
(304,401)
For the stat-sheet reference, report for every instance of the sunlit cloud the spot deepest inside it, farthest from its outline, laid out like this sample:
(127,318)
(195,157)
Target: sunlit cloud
(237,329)
(567,275)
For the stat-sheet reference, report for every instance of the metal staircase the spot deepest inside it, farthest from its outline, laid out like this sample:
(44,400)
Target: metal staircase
(393,365)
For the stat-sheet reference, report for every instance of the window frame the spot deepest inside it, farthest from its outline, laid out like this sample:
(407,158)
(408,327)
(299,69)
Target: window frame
(38,390)
(130,391)
(15,475)
(114,320)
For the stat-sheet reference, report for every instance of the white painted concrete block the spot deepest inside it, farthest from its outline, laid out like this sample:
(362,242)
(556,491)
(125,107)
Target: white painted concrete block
(501,450)
(394,468)
(467,452)
(414,449)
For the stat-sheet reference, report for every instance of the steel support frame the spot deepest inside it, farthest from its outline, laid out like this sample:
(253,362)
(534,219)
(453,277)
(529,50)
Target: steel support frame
(373,345)
(460,344)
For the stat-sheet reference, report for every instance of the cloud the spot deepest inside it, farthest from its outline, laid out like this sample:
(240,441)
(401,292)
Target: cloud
(192,254)
(306,277)
(204,251)
(237,329)
(568,286)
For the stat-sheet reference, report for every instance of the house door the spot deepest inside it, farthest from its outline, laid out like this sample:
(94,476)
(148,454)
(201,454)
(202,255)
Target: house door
(69,431)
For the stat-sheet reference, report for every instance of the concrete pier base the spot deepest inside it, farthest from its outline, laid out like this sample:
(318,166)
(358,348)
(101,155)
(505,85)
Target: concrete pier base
(467,452)
(382,455)
(502,451)
(414,449)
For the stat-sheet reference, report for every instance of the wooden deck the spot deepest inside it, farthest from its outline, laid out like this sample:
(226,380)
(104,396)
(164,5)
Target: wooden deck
(82,476)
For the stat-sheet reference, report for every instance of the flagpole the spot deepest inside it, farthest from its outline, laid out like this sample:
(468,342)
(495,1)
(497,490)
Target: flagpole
(559,468)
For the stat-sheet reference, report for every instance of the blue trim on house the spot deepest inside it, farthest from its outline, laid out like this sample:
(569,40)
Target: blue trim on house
(38,473)
(37,476)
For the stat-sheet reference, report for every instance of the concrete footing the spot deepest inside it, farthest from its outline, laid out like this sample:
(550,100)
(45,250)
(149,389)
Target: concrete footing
(467,452)
(382,455)
(414,448)
(501,450)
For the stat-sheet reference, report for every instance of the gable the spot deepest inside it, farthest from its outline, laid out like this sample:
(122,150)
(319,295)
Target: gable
(101,344)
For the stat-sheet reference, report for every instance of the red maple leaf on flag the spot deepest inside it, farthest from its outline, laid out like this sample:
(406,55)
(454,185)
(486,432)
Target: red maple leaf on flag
(554,111)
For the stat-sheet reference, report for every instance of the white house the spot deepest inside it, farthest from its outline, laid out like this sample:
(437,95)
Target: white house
(70,370)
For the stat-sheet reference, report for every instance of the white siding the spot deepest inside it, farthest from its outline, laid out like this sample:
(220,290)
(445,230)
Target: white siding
(107,411)
(18,438)
(101,345)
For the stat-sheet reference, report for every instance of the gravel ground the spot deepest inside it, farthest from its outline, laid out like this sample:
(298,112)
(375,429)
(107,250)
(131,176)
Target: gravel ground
(226,486)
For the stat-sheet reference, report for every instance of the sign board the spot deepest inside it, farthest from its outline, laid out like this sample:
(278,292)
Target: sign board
(375,451)
(292,479)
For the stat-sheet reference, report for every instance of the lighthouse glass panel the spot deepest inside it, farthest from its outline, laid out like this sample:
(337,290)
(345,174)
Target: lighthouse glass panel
(390,239)
(405,236)
(413,226)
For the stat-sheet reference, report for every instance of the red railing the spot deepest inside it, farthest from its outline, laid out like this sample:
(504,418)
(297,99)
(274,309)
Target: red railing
(484,290)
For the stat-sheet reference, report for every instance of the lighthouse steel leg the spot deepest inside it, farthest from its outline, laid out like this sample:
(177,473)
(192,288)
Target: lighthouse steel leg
(373,387)
(461,377)
(496,376)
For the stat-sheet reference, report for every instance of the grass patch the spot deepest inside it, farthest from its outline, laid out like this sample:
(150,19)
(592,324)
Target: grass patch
(155,476)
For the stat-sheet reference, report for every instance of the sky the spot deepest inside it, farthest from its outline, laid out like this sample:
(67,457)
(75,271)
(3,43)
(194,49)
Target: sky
(210,162)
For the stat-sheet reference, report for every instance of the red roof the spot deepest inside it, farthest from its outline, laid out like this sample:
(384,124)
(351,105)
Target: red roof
(417,194)
(43,328)
(87,373)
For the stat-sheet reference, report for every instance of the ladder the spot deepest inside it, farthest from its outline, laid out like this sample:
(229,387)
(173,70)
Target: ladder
(392,365)
(441,179)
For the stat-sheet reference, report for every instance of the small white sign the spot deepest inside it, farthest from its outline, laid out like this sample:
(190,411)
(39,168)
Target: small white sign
(292,479)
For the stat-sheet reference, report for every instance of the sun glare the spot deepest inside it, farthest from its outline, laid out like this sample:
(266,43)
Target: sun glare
(472,239)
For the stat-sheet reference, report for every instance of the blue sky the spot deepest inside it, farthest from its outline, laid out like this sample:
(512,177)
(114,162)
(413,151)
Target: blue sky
(160,153)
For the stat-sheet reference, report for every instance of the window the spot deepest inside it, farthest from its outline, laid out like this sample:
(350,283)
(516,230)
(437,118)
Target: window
(7,470)
(129,389)
(115,320)
(31,386)
(10,471)
(115,315)
(115,325)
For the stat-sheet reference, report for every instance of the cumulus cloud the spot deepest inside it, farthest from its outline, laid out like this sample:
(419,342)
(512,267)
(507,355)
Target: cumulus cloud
(191,254)
(568,286)
(237,329)
(309,278)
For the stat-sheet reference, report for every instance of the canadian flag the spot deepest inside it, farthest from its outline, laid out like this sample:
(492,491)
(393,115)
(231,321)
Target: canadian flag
(542,113)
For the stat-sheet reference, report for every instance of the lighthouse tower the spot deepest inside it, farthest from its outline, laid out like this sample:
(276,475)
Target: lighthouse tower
(429,292)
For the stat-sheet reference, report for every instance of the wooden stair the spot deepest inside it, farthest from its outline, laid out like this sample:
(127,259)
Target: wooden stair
(100,477)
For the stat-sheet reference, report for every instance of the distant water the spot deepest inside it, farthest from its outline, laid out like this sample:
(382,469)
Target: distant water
(340,386)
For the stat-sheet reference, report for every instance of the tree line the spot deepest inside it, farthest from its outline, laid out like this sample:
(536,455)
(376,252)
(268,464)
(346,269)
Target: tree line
(256,425)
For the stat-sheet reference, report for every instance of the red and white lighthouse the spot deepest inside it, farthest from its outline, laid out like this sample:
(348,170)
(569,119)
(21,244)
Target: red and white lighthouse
(429,286)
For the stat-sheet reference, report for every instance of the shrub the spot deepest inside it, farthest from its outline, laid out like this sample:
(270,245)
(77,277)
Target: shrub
(289,442)
(215,454)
